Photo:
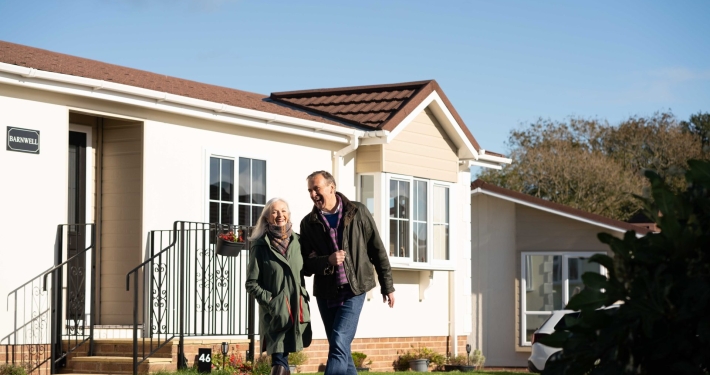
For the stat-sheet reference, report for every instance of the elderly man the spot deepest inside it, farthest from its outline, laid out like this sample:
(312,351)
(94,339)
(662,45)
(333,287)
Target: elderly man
(340,245)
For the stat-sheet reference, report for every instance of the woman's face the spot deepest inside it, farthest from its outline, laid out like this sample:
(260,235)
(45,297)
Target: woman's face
(279,214)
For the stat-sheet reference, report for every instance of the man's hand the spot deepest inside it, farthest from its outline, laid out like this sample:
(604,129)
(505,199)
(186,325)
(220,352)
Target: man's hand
(389,299)
(337,258)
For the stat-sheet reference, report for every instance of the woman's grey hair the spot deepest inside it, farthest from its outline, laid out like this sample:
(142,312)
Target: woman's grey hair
(263,223)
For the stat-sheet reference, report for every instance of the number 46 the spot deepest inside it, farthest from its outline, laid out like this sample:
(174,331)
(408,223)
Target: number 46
(205,358)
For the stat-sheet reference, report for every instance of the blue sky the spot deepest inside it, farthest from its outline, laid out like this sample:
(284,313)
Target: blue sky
(501,63)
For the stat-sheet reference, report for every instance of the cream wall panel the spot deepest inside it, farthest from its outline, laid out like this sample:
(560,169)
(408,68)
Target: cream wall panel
(121,229)
(34,191)
(423,150)
(369,159)
(493,276)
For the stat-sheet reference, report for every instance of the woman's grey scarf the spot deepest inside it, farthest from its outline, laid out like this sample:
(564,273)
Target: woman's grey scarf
(280,236)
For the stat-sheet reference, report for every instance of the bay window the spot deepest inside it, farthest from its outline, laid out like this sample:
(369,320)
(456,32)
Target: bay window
(414,218)
(549,280)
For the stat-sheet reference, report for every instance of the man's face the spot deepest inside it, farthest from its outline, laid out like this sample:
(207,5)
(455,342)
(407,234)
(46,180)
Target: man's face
(322,193)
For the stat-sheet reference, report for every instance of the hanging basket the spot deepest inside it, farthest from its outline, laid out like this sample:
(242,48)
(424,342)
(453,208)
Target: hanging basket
(227,248)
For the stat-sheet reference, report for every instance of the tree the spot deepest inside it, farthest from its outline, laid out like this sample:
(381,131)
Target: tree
(590,165)
(699,124)
(663,282)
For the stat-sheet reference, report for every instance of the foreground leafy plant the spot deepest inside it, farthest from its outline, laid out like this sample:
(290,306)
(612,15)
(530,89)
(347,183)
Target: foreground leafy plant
(663,280)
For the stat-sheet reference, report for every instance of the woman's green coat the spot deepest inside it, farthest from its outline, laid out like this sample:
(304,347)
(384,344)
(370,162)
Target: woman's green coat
(279,287)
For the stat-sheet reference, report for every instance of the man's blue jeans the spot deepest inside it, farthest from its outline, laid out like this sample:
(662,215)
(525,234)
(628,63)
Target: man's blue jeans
(340,326)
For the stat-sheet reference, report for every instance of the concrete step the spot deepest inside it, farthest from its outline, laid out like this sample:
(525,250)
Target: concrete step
(117,365)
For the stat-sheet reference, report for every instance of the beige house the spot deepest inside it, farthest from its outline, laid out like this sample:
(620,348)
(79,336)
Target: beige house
(527,258)
(147,164)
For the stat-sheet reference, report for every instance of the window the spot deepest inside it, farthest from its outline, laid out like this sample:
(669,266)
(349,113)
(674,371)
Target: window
(221,190)
(251,193)
(548,281)
(441,222)
(415,215)
(252,190)
(399,218)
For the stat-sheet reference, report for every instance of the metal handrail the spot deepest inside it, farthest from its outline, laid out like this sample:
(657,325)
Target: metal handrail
(55,306)
(188,290)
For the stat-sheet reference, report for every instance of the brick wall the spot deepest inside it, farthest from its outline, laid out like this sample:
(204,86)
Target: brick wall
(35,356)
(383,352)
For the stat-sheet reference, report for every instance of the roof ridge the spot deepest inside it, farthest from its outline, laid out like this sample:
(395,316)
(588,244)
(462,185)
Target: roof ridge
(351,89)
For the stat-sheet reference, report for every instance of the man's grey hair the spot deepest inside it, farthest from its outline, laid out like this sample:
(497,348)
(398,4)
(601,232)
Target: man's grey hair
(328,177)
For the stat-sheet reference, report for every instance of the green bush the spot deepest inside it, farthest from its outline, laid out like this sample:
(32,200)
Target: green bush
(663,280)
(9,369)
(262,365)
(359,359)
(422,352)
(297,358)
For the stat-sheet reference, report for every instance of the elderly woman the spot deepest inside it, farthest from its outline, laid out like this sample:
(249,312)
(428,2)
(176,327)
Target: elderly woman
(275,279)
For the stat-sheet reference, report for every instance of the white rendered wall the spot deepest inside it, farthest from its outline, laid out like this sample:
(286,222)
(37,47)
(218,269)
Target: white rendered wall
(34,193)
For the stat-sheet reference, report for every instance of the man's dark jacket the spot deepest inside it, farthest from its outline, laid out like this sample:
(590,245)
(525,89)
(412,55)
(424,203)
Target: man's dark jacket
(361,243)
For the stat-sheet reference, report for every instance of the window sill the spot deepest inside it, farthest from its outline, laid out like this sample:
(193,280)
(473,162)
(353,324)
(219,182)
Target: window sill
(401,266)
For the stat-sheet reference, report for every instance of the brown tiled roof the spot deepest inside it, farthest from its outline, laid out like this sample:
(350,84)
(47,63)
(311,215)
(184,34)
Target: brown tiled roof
(40,59)
(380,107)
(558,207)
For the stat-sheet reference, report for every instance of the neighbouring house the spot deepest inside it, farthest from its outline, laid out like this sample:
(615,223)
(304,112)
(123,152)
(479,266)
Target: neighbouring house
(527,258)
(152,162)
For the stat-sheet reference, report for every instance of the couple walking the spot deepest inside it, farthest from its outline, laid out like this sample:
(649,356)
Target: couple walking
(339,245)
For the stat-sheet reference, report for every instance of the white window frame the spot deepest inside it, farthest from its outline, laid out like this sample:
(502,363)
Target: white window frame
(524,277)
(382,219)
(229,154)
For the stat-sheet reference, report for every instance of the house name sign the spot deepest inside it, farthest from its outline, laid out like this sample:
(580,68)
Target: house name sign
(22,140)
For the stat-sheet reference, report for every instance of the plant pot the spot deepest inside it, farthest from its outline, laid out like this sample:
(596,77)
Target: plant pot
(362,369)
(419,365)
(293,369)
(448,368)
(228,249)
(467,368)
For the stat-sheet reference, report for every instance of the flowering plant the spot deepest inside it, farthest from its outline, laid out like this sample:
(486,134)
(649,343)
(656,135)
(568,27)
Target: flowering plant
(233,364)
(231,236)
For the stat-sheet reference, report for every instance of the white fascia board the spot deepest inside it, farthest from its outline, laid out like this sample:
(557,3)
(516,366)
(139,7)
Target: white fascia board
(440,107)
(161,101)
(484,164)
(550,210)
(492,158)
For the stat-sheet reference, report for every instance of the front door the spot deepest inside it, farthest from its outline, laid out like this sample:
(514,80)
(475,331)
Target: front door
(77,241)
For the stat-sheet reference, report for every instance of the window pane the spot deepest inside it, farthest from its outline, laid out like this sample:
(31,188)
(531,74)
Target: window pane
(393,239)
(544,289)
(367,192)
(441,222)
(226,214)
(393,198)
(214,179)
(214,212)
(403,199)
(258,182)
(420,197)
(403,238)
(244,215)
(244,180)
(441,241)
(255,212)
(420,239)
(532,323)
(227,180)
(576,268)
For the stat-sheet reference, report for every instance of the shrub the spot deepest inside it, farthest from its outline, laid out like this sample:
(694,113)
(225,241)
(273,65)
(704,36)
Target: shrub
(477,359)
(422,352)
(262,365)
(9,369)
(359,359)
(297,358)
(458,360)
(663,280)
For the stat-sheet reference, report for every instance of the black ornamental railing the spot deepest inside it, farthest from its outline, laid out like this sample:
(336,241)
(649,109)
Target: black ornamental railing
(53,312)
(184,289)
